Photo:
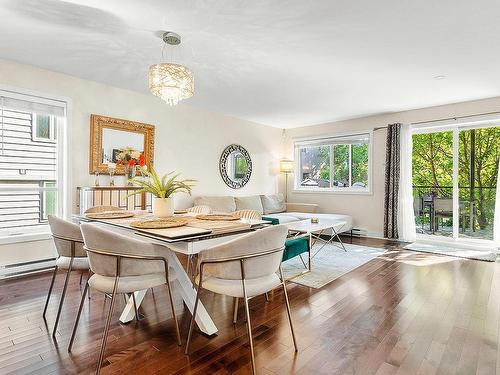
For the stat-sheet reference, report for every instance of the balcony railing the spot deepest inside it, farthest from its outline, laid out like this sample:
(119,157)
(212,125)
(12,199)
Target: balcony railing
(433,206)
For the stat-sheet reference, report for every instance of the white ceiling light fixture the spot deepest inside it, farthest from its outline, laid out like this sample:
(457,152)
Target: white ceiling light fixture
(171,82)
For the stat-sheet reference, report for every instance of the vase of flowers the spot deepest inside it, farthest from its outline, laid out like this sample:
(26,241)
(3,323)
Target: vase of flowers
(162,189)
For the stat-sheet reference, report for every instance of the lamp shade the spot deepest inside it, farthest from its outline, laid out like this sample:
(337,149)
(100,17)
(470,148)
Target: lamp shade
(286,166)
(171,82)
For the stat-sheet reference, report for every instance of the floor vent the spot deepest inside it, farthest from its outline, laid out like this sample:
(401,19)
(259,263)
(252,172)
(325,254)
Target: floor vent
(26,268)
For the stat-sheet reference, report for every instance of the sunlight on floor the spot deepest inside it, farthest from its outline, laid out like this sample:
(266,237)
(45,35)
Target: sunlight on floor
(416,259)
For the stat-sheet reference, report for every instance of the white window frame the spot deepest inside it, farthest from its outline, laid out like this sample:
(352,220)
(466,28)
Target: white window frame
(64,177)
(34,127)
(299,142)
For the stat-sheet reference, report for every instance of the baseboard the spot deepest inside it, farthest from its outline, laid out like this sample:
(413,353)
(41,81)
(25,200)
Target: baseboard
(26,268)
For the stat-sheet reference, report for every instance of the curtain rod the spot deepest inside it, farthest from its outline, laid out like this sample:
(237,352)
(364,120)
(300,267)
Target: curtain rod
(444,119)
(456,117)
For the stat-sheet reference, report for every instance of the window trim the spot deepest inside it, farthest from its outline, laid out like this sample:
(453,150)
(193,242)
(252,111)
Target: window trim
(34,128)
(64,175)
(333,190)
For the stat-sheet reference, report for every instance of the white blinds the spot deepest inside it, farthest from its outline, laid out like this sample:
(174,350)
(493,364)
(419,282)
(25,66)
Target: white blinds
(339,140)
(28,103)
(12,102)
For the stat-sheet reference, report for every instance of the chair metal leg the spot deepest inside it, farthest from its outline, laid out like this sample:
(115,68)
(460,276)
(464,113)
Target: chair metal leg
(135,307)
(235,310)
(82,301)
(177,332)
(249,325)
(288,308)
(88,278)
(50,291)
(193,317)
(62,298)
(106,328)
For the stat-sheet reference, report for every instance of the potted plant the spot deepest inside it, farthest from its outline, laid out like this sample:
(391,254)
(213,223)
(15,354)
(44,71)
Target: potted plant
(161,189)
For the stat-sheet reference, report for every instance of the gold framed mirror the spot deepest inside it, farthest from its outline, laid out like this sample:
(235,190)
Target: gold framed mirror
(115,140)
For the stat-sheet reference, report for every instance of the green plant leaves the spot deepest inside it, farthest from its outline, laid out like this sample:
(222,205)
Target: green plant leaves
(162,187)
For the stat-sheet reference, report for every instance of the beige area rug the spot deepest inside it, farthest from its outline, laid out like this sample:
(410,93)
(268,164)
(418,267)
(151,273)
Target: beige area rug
(330,263)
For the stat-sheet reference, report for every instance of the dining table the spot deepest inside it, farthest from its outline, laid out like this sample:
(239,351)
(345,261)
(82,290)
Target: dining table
(189,240)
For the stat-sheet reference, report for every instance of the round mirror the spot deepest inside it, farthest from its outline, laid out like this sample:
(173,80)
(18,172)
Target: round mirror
(235,166)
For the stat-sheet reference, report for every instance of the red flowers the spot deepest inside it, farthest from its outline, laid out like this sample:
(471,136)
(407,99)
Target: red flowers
(131,163)
(142,160)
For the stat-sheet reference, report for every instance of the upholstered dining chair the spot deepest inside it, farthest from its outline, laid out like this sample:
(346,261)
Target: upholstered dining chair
(121,264)
(71,256)
(102,209)
(201,209)
(248,214)
(244,267)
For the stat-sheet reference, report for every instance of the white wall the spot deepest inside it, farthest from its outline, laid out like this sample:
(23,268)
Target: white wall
(188,139)
(367,210)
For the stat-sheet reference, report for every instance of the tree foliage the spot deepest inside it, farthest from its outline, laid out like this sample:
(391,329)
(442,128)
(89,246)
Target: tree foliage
(477,173)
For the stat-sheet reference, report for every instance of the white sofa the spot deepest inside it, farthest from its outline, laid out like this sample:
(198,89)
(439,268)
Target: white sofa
(272,206)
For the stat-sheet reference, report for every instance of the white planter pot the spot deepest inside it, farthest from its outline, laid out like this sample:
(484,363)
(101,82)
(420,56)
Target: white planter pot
(163,207)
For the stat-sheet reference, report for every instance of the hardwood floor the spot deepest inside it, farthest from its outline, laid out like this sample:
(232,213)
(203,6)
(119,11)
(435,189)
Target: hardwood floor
(402,313)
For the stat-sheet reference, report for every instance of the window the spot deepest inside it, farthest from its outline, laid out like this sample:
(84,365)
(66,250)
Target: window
(334,164)
(43,128)
(31,163)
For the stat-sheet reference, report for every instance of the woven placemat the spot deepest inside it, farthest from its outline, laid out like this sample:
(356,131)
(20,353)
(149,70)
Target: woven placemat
(109,215)
(159,223)
(218,217)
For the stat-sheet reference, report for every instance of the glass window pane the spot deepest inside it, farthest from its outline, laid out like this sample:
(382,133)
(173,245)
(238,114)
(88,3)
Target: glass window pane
(43,126)
(341,165)
(478,154)
(315,166)
(49,201)
(24,208)
(433,183)
(359,165)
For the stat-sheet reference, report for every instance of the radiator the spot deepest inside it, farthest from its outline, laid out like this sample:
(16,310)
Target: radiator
(26,268)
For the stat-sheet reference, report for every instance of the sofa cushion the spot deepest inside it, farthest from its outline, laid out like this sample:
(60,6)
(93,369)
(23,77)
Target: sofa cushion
(252,202)
(217,203)
(273,204)
(294,247)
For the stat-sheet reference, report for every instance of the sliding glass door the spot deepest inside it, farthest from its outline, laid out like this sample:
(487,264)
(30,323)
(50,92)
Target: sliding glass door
(455,172)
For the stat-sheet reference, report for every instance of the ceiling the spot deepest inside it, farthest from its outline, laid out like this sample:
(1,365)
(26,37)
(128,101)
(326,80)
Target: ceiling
(283,63)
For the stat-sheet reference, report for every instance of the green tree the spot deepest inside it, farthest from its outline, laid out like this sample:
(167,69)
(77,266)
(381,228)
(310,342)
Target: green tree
(477,176)
(341,163)
(360,163)
(478,172)
(433,163)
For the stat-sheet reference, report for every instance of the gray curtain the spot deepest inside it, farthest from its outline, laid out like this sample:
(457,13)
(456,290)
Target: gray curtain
(392,165)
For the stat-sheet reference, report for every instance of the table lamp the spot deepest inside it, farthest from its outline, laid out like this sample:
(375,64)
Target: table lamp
(286,167)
